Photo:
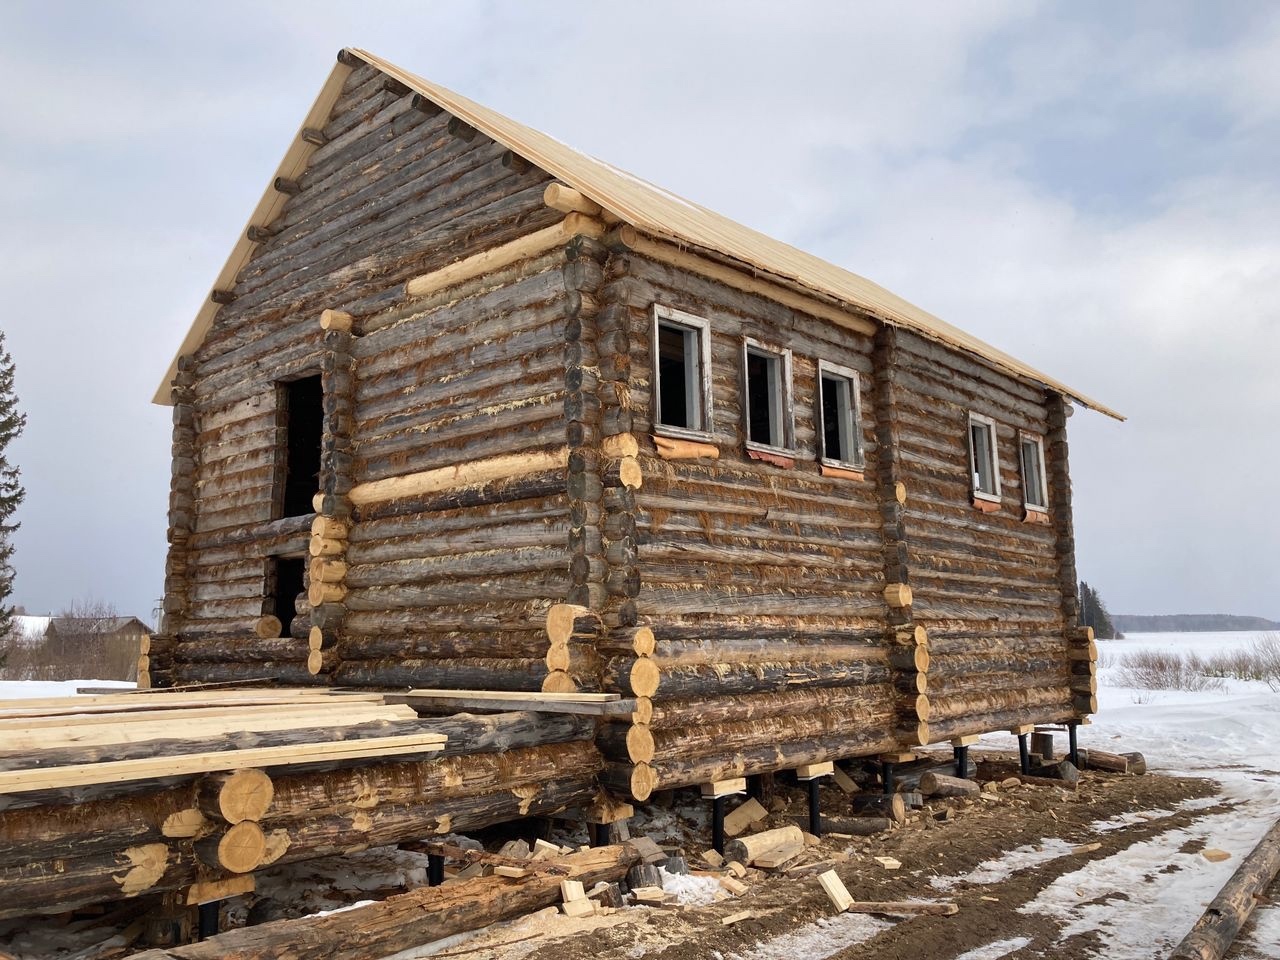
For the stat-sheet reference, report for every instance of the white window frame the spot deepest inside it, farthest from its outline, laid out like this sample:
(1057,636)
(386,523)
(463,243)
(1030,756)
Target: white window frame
(663,314)
(835,370)
(990,424)
(784,416)
(1038,442)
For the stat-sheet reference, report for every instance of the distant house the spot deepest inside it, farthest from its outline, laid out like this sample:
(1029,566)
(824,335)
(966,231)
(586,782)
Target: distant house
(94,629)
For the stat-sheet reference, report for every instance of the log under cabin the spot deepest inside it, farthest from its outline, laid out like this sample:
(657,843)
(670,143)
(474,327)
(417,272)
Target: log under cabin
(468,409)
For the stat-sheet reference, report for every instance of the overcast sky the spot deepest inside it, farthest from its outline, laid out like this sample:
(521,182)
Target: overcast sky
(1091,186)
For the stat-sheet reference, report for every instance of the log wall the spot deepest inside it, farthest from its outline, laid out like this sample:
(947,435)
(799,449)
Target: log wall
(986,585)
(391,195)
(755,578)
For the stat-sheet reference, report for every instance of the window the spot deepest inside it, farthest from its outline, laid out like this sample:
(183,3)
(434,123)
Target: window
(300,420)
(839,415)
(1035,492)
(285,583)
(682,380)
(984,464)
(767,396)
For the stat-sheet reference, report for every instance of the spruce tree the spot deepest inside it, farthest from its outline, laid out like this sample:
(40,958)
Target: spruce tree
(1093,613)
(11,492)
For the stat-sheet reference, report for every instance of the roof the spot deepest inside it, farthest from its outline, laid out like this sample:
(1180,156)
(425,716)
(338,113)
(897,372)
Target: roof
(80,626)
(644,206)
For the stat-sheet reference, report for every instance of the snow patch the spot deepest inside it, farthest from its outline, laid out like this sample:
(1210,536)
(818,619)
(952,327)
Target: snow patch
(822,938)
(994,951)
(690,891)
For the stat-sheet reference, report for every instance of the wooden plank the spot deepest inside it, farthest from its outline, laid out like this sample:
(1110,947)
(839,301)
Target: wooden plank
(546,703)
(835,890)
(219,723)
(165,699)
(178,714)
(502,695)
(725,788)
(120,771)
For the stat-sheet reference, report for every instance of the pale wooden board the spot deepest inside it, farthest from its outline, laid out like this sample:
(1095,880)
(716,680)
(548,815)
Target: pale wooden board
(544,702)
(85,735)
(121,771)
(506,694)
(229,709)
(164,700)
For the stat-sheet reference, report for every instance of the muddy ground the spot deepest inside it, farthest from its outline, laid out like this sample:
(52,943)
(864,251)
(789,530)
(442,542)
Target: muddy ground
(792,919)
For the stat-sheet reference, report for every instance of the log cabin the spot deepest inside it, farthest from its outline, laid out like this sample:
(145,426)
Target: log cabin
(467,409)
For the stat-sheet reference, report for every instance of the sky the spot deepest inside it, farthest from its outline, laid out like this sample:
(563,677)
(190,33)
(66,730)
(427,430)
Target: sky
(1090,186)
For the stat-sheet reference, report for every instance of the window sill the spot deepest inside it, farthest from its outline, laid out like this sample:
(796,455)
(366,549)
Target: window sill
(845,471)
(682,433)
(1036,515)
(670,448)
(985,505)
(777,456)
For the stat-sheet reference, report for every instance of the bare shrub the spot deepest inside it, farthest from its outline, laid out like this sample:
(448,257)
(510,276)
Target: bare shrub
(95,654)
(1165,670)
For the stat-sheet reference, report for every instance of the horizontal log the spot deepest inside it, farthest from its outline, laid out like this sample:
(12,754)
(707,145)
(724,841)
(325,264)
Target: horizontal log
(646,677)
(477,473)
(461,674)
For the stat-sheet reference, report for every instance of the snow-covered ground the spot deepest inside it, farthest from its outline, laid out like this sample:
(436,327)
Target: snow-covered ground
(22,689)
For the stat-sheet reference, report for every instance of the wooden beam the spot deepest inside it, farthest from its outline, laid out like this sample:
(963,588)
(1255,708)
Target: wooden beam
(118,771)
(522,248)
(632,239)
(557,196)
(554,703)
(473,473)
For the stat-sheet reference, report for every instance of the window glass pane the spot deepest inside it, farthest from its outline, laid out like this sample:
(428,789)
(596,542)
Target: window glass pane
(833,446)
(980,440)
(764,399)
(1033,474)
(679,377)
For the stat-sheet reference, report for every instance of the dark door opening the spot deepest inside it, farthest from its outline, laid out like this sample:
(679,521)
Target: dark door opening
(284,583)
(301,416)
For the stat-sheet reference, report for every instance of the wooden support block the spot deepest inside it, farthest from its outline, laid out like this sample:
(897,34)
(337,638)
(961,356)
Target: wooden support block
(1023,729)
(889,863)
(966,741)
(903,757)
(835,890)
(649,894)
(213,890)
(811,771)
(712,858)
(724,788)
(746,814)
(505,870)
(844,781)
(733,885)
(578,908)
(572,890)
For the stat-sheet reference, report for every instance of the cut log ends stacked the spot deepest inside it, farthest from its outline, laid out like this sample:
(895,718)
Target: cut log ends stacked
(1082,650)
(909,656)
(572,661)
(235,796)
(327,572)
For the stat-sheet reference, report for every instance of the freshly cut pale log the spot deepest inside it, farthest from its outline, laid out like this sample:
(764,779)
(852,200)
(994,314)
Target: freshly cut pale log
(565,621)
(496,258)
(568,200)
(630,473)
(320,592)
(1228,912)
(402,922)
(576,659)
(940,785)
(325,547)
(335,320)
(236,795)
(897,595)
(321,661)
(557,681)
(327,571)
(777,843)
(268,627)
(329,528)
(239,849)
(505,467)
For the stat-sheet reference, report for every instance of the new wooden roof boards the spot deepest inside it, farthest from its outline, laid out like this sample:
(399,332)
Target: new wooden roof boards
(642,205)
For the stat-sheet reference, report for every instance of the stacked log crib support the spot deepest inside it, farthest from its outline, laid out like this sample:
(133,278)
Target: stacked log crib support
(157,669)
(327,568)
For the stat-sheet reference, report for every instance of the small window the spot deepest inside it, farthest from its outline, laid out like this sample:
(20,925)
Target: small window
(682,392)
(839,415)
(767,396)
(984,464)
(1035,492)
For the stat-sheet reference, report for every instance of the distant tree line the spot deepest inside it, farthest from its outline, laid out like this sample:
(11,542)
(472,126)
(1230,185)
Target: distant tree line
(1191,623)
(1093,613)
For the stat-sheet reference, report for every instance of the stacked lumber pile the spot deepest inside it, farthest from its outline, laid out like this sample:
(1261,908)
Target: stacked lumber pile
(133,794)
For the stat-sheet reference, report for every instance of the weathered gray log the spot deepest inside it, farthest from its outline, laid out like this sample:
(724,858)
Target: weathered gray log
(1137,763)
(941,785)
(879,805)
(1228,912)
(1092,759)
(462,674)
(708,680)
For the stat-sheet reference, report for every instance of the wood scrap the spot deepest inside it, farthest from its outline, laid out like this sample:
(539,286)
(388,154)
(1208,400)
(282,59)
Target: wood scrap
(778,845)
(912,908)
(738,917)
(743,816)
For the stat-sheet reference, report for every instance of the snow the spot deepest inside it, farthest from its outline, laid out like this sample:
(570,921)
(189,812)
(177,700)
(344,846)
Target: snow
(821,939)
(691,891)
(25,689)
(994,951)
